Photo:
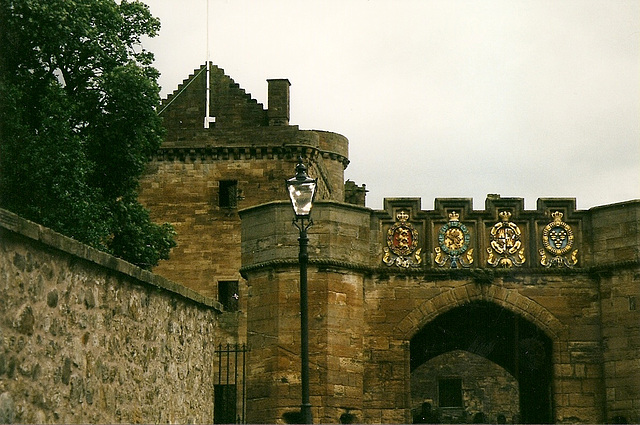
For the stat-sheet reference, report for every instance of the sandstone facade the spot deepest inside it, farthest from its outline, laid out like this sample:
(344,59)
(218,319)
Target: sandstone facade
(249,148)
(568,328)
(367,318)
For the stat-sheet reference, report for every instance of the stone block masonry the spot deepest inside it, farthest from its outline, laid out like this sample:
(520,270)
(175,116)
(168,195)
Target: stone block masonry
(88,338)
(561,341)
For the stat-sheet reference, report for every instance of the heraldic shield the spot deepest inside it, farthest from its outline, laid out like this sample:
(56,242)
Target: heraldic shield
(557,240)
(505,248)
(402,244)
(453,241)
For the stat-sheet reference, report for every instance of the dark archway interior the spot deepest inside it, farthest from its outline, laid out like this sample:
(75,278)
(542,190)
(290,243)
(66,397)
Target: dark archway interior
(485,329)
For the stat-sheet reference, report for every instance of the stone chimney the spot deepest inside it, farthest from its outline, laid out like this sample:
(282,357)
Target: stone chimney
(354,194)
(278,97)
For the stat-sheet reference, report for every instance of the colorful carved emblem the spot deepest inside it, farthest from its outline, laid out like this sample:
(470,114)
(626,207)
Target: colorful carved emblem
(506,244)
(453,241)
(557,240)
(402,244)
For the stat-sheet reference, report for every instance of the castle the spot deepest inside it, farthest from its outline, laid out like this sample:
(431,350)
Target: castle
(495,315)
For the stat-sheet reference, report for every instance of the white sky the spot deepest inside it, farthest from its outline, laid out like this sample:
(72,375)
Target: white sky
(439,98)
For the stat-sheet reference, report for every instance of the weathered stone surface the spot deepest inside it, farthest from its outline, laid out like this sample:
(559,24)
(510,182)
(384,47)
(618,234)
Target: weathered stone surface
(7,408)
(65,374)
(89,338)
(83,342)
(486,388)
(52,298)
(574,308)
(25,321)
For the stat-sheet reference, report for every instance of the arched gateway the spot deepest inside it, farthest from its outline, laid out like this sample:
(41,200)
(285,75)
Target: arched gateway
(389,285)
(500,336)
(497,324)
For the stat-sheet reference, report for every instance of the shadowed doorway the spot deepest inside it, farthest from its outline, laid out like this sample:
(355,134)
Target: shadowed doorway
(506,339)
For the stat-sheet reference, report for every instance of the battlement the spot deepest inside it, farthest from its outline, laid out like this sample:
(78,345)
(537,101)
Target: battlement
(200,177)
(394,293)
(403,238)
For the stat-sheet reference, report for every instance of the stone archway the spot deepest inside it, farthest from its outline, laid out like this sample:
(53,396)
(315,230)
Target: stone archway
(509,299)
(502,337)
(501,325)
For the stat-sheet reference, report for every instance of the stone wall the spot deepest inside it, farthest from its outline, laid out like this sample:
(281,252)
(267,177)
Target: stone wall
(88,338)
(486,388)
(185,193)
(336,321)
(615,231)
(565,309)
(182,182)
(586,314)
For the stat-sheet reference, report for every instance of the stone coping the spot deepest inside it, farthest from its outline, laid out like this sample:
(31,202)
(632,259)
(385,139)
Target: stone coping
(616,205)
(405,200)
(36,232)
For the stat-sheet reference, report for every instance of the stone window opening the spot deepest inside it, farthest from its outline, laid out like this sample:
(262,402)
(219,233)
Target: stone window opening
(450,392)
(228,194)
(228,295)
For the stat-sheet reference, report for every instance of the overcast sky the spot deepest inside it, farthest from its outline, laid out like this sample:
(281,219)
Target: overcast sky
(439,98)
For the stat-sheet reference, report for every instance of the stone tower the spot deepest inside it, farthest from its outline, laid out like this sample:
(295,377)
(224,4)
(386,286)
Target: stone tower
(201,177)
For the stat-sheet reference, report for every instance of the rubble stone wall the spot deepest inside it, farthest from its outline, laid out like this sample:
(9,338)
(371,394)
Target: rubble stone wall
(88,338)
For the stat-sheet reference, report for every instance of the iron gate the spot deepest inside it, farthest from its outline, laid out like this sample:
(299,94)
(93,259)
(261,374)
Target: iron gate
(229,389)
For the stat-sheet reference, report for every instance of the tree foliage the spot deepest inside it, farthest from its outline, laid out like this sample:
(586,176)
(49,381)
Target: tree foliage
(78,121)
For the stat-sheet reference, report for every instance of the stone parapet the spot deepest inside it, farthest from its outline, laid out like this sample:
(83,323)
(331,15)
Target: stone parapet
(268,143)
(580,318)
(614,233)
(603,237)
(200,177)
(339,237)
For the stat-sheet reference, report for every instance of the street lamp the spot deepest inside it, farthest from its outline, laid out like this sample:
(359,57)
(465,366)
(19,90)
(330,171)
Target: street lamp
(302,190)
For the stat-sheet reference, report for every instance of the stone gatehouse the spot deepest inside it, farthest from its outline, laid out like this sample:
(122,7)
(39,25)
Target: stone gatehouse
(495,315)
(388,337)
(501,314)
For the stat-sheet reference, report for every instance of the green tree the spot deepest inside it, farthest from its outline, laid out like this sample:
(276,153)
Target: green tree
(78,121)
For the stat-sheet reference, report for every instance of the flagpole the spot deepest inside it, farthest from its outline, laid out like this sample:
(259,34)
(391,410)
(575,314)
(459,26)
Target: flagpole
(207,113)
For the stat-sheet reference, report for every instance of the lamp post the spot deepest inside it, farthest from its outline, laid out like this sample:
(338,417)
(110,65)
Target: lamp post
(302,190)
